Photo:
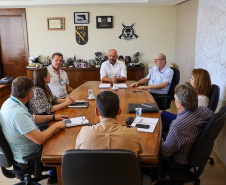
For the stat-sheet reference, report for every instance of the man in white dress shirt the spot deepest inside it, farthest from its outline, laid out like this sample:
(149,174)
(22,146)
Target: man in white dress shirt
(113,70)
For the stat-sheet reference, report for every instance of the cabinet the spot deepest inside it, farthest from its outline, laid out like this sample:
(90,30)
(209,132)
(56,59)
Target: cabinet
(78,76)
(5,90)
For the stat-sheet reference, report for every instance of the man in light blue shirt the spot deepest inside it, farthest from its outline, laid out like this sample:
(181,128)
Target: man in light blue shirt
(18,124)
(159,77)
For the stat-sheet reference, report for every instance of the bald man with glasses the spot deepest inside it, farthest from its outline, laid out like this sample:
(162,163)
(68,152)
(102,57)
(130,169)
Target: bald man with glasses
(159,77)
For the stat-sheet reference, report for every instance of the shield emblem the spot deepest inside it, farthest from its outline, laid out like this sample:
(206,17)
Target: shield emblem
(81,34)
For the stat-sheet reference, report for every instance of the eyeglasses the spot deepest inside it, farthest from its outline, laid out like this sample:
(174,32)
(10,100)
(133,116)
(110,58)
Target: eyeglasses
(157,59)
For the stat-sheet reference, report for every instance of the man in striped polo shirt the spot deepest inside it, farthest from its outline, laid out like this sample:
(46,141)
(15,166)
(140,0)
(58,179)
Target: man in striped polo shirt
(185,129)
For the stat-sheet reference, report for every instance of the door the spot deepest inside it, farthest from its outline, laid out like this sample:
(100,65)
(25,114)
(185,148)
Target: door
(13,42)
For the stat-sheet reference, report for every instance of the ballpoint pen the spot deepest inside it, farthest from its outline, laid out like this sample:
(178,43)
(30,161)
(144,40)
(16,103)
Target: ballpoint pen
(140,120)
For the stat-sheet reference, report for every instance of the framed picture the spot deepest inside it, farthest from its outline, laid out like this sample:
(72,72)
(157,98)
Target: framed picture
(104,21)
(81,17)
(56,23)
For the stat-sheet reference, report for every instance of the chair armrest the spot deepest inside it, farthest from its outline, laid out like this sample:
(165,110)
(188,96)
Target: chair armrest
(33,156)
(36,157)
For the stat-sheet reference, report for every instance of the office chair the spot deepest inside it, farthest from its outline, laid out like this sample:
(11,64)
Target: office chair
(214,98)
(200,152)
(6,161)
(101,167)
(102,61)
(164,100)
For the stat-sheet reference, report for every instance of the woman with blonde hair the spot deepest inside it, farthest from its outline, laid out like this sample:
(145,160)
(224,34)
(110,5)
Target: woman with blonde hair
(201,81)
(43,101)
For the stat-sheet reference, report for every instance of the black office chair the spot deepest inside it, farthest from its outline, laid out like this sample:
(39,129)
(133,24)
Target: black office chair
(102,61)
(200,152)
(214,97)
(6,161)
(101,167)
(163,100)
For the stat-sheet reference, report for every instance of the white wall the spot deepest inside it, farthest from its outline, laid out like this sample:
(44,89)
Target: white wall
(186,38)
(211,55)
(155,27)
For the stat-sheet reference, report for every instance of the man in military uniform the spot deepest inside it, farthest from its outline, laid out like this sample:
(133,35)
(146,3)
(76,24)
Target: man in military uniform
(108,134)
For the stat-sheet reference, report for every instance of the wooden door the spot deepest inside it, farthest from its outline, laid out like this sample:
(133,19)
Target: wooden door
(13,42)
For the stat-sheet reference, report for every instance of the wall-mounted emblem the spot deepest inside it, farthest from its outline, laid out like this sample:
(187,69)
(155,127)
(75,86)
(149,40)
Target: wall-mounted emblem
(81,34)
(128,33)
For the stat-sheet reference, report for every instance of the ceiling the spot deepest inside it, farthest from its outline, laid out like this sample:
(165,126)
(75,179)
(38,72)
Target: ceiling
(32,3)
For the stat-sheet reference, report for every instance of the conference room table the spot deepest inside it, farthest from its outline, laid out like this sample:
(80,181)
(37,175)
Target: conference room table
(55,147)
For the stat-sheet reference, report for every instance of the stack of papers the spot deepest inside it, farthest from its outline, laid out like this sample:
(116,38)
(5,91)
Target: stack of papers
(104,86)
(121,86)
(76,121)
(152,122)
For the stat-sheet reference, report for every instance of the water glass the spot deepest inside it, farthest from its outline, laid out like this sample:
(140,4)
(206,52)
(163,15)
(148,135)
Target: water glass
(90,93)
(138,112)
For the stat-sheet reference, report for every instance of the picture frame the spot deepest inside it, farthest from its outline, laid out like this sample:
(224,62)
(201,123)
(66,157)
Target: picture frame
(56,23)
(81,17)
(104,21)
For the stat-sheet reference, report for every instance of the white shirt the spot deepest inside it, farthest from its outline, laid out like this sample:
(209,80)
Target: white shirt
(58,82)
(109,70)
(203,100)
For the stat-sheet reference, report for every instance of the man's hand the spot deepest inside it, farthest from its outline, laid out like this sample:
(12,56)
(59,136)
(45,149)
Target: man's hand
(135,84)
(114,79)
(144,87)
(59,125)
(61,117)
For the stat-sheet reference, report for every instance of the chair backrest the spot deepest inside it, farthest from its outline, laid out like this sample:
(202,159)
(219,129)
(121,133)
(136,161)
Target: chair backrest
(214,97)
(102,61)
(203,147)
(97,167)
(175,82)
(6,155)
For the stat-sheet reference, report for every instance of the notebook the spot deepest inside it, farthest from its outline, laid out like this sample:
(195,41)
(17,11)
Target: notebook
(76,121)
(104,86)
(149,122)
(145,108)
(121,86)
(79,104)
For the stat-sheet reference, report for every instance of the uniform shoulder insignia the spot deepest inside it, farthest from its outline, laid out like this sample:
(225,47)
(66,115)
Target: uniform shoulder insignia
(92,124)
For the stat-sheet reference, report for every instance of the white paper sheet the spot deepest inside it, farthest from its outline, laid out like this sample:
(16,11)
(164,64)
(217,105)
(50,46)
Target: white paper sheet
(121,86)
(152,122)
(103,86)
(77,121)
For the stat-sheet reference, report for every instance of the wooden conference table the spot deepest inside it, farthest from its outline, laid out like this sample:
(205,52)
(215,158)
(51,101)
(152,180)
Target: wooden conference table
(64,140)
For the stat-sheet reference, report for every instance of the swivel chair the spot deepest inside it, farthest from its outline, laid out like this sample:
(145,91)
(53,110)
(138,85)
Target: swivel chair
(164,100)
(214,98)
(199,153)
(6,161)
(97,167)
